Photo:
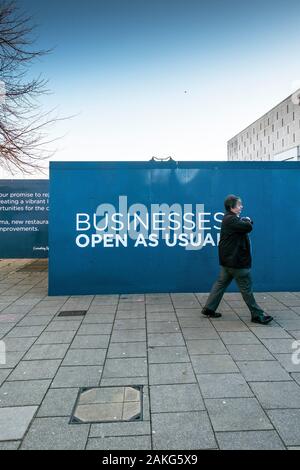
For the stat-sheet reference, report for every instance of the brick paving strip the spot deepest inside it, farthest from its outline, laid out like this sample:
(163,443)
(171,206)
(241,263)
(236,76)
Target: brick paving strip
(220,384)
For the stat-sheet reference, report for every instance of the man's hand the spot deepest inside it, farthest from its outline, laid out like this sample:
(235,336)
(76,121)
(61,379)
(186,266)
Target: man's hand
(247,219)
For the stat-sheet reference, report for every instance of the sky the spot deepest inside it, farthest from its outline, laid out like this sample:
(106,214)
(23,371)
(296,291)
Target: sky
(178,78)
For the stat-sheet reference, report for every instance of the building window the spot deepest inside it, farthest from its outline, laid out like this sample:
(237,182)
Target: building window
(288,129)
(273,146)
(253,130)
(294,137)
(277,115)
(273,128)
(293,115)
(268,121)
(268,139)
(282,122)
(282,142)
(287,109)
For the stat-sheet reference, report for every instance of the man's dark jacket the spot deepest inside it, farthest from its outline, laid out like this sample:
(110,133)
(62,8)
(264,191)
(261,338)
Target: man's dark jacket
(234,245)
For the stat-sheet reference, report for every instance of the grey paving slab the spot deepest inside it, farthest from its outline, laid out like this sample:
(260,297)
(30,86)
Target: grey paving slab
(223,386)
(120,443)
(56,337)
(128,315)
(134,367)
(18,344)
(175,398)
(121,381)
(4,374)
(185,431)
(249,352)
(157,298)
(287,424)
(4,329)
(277,394)
(278,346)
(35,321)
(206,346)
(186,303)
(242,338)
(295,334)
(12,359)
(58,402)
(160,374)
(270,333)
(78,376)
(290,362)
(63,326)
(23,393)
(46,351)
(14,422)
(9,445)
(237,414)
(161,308)
(163,327)
(162,317)
(103,318)
(85,357)
(95,329)
(128,336)
(249,440)
(165,339)
(134,428)
(262,371)
(167,354)
(189,313)
(90,342)
(199,333)
(230,326)
(130,324)
(290,324)
(296,377)
(119,350)
(55,434)
(32,370)
(213,364)
(103,310)
(131,307)
(186,322)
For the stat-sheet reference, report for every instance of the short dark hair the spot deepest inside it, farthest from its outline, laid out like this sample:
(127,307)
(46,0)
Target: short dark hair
(231,201)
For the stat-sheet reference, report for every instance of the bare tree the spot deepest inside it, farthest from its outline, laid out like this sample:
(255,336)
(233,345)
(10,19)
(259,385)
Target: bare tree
(23,126)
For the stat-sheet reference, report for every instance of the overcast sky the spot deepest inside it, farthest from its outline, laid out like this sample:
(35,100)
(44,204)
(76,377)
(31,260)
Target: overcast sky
(163,77)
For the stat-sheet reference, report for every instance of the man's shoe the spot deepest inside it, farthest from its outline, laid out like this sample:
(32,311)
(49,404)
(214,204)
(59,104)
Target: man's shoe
(264,320)
(210,313)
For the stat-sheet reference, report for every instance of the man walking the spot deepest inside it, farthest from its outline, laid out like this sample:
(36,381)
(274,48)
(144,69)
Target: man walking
(235,261)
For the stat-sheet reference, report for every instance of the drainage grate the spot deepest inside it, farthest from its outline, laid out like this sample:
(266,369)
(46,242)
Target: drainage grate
(72,313)
(39,265)
(108,404)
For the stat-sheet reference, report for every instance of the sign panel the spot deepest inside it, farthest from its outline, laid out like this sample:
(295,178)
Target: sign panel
(133,227)
(24,209)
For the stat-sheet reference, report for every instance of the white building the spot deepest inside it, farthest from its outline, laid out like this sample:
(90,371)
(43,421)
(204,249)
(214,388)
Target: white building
(275,136)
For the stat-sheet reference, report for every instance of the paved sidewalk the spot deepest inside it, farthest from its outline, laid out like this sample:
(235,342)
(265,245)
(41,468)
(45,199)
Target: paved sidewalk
(221,384)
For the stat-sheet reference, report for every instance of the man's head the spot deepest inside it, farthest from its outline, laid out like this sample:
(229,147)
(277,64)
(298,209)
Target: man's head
(233,203)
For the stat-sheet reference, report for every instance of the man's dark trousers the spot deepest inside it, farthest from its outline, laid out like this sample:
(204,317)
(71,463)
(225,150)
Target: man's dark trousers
(244,282)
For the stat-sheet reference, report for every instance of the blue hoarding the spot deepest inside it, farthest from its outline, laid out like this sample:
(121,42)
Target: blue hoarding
(24,209)
(132,227)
